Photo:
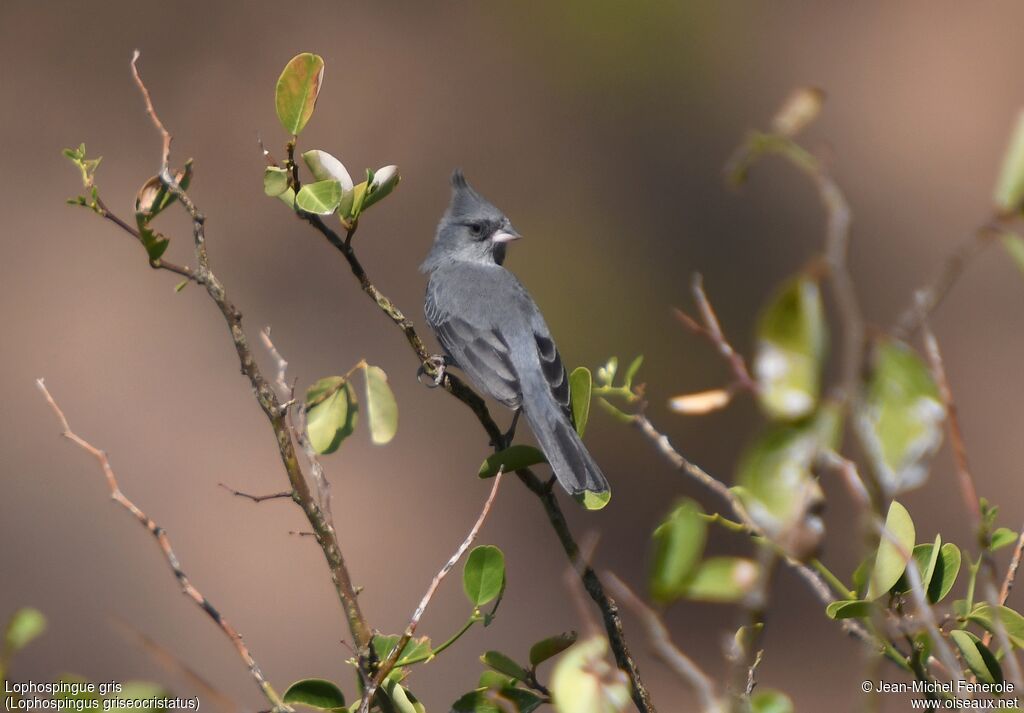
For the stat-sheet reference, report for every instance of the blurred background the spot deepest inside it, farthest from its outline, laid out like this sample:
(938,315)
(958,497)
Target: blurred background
(601,129)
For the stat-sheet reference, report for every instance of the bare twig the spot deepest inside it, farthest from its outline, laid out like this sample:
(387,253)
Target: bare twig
(660,640)
(752,670)
(968,489)
(165,546)
(275,412)
(712,331)
(165,658)
(389,662)
(1011,570)
(928,298)
(258,498)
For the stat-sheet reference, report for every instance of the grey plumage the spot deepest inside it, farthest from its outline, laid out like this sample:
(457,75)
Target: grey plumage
(491,328)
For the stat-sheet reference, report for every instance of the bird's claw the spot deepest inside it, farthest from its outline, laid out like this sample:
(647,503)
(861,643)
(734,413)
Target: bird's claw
(439,364)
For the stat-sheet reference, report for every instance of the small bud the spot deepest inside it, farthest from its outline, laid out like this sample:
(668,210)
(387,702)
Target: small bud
(384,175)
(801,108)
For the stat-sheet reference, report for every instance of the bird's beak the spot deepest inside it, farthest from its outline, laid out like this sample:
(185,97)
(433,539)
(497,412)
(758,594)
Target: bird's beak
(505,235)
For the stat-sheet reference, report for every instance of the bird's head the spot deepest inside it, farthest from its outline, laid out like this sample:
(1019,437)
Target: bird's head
(472,229)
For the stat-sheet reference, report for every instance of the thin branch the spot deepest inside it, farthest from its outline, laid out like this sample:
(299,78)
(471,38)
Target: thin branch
(296,420)
(461,391)
(927,299)
(275,412)
(712,331)
(258,498)
(812,578)
(410,629)
(165,546)
(163,657)
(968,489)
(661,641)
(969,492)
(1011,570)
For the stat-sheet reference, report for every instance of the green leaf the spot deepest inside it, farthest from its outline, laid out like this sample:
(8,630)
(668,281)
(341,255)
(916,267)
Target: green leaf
(892,557)
(288,197)
(331,410)
(384,181)
(321,197)
(791,338)
(585,681)
(522,701)
(513,458)
(483,577)
(550,647)
(580,385)
(978,657)
(402,698)
(593,500)
(315,693)
(770,701)
(947,567)
(476,702)
(678,545)
(722,579)
(775,475)
(1001,538)
(926,557)
(861,575)
(901,417)
(631,370)
(325,167)
(1009,191)
(297,90)
(849,609)
(504,664)
(495,681)
(353,203)
(415,648)
(1013,622)
(275,181)
(381,407)
(24,625)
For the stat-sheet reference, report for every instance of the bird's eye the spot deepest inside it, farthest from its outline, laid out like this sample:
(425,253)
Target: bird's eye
(476,229)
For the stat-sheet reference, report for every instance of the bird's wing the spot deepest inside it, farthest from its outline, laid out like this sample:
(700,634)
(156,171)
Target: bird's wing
(474,344)
(551,362)
(479,316)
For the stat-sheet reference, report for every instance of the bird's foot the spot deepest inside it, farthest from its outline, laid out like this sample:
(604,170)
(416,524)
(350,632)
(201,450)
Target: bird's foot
(439,362)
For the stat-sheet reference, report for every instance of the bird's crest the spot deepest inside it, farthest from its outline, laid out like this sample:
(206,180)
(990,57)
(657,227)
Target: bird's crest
(459,180)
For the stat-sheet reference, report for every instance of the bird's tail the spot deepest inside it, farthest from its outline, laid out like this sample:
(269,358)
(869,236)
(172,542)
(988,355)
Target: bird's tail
(574,467)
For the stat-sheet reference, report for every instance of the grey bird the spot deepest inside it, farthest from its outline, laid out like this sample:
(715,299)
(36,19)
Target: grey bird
(491,329)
